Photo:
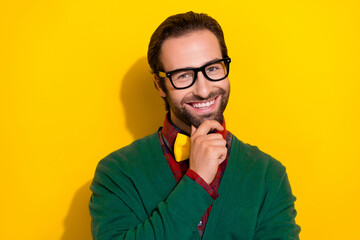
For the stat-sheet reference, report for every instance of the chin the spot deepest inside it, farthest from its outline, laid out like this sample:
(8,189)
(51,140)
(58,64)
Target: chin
(197,121)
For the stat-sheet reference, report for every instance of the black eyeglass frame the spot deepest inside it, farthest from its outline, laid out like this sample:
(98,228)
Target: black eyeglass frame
(196,70)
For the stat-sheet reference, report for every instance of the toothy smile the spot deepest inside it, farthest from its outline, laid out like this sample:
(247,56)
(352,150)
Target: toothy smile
(203,104)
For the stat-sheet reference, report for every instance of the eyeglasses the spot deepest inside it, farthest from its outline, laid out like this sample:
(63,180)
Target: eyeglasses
(185,77)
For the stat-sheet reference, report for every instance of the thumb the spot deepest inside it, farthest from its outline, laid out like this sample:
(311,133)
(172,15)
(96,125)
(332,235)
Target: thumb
(193,130)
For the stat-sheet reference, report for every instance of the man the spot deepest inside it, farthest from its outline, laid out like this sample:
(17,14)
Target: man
(208,186)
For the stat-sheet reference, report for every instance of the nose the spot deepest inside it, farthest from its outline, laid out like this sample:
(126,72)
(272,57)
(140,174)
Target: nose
(202,86)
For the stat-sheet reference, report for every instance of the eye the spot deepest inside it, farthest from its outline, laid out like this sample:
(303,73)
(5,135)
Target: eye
(212,69)
(184,75)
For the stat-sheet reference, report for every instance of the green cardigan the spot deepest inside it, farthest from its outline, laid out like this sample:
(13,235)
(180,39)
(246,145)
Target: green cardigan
(135,196)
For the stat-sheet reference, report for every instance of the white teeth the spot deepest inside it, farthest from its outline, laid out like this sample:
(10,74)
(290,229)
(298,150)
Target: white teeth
(203,105)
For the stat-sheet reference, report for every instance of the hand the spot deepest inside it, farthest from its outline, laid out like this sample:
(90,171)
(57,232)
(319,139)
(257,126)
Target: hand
(207,151)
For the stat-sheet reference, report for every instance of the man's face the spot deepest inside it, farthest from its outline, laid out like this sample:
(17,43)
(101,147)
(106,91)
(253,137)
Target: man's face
(203,100)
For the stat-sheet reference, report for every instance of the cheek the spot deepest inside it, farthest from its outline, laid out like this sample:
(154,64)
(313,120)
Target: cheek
(176,96)
(225,84)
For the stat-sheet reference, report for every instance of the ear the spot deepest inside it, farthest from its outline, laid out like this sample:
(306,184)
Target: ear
(158,87)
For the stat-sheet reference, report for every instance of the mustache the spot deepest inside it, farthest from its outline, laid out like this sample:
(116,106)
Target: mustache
(211,95)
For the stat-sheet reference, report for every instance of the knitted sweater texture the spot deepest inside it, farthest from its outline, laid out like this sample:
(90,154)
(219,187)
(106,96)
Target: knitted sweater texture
(135,196)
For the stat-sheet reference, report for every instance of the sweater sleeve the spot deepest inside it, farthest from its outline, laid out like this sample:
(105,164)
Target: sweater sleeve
(115,208)
(276,219)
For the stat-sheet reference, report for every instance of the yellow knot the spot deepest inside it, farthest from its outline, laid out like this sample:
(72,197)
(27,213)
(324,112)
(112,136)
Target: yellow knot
(181,147)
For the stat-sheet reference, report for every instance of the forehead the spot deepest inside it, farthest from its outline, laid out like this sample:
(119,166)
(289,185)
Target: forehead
(193,49)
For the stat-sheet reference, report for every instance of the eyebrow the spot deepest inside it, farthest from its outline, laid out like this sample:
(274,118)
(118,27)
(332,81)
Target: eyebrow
(188,68)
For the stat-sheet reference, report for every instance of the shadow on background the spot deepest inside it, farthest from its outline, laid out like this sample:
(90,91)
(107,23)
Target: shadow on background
(77,222)
(144,108)
(144,112)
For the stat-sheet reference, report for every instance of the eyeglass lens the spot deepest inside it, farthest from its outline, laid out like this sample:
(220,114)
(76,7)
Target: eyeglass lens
(184,78)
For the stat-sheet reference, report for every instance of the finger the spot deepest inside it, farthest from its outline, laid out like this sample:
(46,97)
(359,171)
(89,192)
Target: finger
(213,139)
(207,126)
(218,152)
(208,140)
(222,155)
(193,130)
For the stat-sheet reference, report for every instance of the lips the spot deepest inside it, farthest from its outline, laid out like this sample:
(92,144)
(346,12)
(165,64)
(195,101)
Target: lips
(203,104)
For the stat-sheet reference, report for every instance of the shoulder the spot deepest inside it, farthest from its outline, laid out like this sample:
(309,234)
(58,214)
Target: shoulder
(252,157)
(136,148)
(131,156)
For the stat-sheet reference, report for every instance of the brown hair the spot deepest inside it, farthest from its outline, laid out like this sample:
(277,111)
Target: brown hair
(178,25)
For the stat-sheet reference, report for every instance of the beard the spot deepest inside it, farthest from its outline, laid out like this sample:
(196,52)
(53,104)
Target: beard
(185,116)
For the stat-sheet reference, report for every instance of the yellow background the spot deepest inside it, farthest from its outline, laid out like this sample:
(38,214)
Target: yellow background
(75,86)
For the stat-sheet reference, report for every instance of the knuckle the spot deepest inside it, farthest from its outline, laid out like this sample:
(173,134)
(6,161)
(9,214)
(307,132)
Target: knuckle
(210,149)
(195,139)
(199,141)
